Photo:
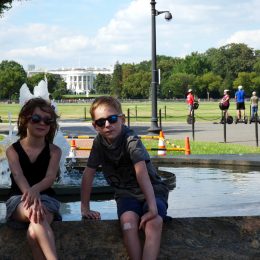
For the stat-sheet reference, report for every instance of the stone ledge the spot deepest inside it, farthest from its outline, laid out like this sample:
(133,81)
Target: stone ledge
(182,238)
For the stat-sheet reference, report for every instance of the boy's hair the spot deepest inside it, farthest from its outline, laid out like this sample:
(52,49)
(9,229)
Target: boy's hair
(105,101)
(27,111)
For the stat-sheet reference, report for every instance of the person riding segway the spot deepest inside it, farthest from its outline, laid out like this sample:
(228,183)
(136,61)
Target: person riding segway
(240,104)
(254,108)
(192,105)
(224,106)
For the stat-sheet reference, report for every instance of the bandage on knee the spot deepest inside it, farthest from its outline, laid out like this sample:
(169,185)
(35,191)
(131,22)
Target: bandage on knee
(127,226)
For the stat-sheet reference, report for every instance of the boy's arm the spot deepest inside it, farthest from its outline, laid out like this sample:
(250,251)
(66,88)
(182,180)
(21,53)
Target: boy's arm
(144,181)
(86,187)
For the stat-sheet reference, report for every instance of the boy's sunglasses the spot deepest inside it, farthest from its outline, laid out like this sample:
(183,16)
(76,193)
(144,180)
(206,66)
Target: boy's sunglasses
(111,119)
(45,119)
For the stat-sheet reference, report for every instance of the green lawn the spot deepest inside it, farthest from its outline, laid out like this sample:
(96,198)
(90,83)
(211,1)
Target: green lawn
(198,147)
(176,111)
(172,111)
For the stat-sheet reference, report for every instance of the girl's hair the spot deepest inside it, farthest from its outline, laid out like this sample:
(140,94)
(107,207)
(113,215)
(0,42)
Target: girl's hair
(105,101)
(27,111)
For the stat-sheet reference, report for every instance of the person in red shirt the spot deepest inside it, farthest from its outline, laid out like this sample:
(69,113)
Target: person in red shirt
(190,101)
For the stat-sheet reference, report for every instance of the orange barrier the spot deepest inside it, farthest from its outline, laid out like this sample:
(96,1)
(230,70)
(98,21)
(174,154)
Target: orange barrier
(187,146)
(161,145)
(161,149)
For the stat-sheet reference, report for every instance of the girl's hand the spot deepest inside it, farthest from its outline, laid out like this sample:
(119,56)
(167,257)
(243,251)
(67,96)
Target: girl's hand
(37,212)
(30,197)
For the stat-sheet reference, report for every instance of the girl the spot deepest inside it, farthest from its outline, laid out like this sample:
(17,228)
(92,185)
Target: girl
(34,164)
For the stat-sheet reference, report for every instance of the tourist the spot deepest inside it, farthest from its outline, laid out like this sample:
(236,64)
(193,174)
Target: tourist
(34,164)
(254,105)
(140,194)
(224,103)
(240,102)
(190,100)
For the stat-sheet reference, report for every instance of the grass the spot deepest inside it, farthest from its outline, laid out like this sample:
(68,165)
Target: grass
(171,111)
(199,147)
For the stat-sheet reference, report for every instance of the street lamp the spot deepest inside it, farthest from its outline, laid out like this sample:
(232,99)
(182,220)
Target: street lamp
(154,119)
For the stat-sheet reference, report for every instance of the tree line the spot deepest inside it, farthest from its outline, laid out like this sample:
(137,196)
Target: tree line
(208,74)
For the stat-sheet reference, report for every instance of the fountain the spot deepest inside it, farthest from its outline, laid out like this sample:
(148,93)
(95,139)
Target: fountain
(68,184)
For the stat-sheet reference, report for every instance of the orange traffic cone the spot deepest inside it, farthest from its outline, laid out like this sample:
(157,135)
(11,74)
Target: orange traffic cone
(72,148)
(187,146)
(161,144)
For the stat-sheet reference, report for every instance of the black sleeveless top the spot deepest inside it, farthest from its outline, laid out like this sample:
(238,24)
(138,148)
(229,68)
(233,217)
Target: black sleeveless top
(33,172)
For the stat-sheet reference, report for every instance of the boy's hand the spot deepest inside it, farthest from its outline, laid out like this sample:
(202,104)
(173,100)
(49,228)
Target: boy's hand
(90,214)
(146,217)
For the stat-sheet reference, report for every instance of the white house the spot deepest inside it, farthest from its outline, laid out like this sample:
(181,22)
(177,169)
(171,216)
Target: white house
(79,80)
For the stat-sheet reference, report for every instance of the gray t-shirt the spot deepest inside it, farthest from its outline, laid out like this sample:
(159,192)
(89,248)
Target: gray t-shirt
(254,101)
(118,160)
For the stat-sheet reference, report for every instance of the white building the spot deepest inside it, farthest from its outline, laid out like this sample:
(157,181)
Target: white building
(79,80)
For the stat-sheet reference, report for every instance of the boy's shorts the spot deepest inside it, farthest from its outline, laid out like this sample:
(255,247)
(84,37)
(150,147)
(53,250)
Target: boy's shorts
(140,207)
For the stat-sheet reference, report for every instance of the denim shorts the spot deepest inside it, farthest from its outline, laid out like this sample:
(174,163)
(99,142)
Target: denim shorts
(140,207)
(12,203)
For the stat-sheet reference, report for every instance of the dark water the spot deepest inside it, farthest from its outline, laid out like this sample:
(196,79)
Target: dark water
(199,192)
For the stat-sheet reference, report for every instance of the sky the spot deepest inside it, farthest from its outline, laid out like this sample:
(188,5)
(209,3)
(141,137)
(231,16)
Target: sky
(54,34)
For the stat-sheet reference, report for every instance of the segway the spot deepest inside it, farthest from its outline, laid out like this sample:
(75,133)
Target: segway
(190,118)
(229,119)
(241,120)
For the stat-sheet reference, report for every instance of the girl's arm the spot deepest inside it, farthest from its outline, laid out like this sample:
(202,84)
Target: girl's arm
(16,170)
(144,181)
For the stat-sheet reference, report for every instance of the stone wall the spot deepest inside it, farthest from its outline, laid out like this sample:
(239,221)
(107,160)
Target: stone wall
(183,238)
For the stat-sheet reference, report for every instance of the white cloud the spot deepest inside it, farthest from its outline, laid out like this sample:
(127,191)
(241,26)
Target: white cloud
(250,37)
(196,26)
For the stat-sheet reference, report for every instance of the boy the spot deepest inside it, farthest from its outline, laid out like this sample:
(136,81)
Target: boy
(140,194)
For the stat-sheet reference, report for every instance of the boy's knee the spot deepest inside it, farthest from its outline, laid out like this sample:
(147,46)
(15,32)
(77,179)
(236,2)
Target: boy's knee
(129,226)
(155,223)
(129,221)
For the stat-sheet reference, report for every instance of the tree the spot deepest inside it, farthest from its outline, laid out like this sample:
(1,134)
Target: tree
(137,85)
(177,85)
(5,5)
(127,70)
(102,83)
(196,64)
(229,60)
(12,76)
(249,82)
(116,82)
(210,83)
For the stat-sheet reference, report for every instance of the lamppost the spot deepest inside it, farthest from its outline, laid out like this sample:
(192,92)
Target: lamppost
(154,119)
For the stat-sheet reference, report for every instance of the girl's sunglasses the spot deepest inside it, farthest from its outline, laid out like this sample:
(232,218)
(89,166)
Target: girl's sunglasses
(45,119)
(111,119)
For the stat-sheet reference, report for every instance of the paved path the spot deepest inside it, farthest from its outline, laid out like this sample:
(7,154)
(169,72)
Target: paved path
(244,134)
(236,133)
